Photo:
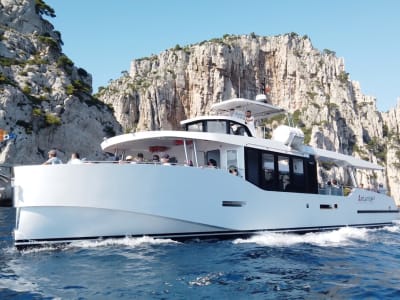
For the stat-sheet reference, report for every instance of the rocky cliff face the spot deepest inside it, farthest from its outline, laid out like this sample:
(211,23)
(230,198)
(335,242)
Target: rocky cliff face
(44,99)
(180,83)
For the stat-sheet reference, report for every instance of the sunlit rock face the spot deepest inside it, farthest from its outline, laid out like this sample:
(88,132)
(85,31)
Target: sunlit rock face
(44,99)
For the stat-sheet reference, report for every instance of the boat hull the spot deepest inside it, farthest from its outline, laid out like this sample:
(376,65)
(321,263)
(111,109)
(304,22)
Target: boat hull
(62,203)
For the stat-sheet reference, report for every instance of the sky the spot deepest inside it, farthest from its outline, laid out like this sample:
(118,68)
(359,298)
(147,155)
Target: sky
(104,36)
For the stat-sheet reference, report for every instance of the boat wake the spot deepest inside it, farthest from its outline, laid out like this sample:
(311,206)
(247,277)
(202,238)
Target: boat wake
(342,237)
(129,242)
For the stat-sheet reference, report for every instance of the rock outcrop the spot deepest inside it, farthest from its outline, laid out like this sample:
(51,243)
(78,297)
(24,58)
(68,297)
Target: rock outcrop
(44,99)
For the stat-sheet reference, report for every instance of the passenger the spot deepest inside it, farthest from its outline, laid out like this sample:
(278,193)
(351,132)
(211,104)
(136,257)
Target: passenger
(53,159)
(249,120)
(111,157)
(381,189)
(156,159)
(212,163)
(328,187)
(188,163)
(336,189)
(139,158)
(173,160)
(165,160)
(233,170)
(75,159)
(285,182)
(129,159)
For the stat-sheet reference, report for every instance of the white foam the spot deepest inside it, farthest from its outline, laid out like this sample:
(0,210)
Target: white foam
(341,237)
(205,280)
(127,241)
(393,228)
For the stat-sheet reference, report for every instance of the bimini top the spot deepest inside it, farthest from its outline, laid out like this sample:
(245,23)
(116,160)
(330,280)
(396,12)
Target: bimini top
(340,159)
(259,108)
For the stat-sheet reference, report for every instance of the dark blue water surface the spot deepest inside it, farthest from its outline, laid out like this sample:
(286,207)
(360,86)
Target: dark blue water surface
(343,264)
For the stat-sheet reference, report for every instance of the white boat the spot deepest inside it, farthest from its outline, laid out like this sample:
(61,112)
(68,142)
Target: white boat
(276,188)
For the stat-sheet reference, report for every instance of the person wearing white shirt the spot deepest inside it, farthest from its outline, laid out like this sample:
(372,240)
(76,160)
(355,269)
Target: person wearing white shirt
(75,159)
(249,120)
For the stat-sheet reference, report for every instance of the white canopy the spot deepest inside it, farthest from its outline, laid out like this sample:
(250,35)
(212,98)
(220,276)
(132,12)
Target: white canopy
(340,159)
(259,110)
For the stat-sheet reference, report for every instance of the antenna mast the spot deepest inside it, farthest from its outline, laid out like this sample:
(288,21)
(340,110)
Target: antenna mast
(289,116)
(239,78)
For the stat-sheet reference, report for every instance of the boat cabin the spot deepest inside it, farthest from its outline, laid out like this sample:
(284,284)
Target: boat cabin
(282,163)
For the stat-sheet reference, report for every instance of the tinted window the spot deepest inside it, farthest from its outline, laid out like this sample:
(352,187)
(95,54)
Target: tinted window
(195,127)
(216,126)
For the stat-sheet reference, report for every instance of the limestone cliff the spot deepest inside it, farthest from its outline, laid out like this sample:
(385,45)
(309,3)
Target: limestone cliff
(313,85)
(44,99)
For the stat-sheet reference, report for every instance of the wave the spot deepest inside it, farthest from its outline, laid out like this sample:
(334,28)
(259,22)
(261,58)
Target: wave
(342,237)
(98,243)
(127,241)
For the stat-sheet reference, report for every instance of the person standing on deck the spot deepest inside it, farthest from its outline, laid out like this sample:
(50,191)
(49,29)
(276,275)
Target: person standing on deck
(249,120)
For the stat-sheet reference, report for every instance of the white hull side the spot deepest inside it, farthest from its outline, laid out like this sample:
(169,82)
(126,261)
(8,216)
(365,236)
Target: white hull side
(104,200)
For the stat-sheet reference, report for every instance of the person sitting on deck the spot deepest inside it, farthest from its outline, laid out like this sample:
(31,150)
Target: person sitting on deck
(75,159)
(233,170)
(212,163)
(188,163)
(139,158)
(165,160)
(53,159)
(381,189)
(335,188)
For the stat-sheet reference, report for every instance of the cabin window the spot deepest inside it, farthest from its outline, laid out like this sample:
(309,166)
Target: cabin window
(284,173)
(238,114)
(216,126)
(198,127)
(298,178)
(298,168)
(231,158)
(252,166)
(213,155)
(277,172)
(268,166)
(237,129)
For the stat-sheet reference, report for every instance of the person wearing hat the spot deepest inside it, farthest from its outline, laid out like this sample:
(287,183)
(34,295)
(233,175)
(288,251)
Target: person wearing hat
(53,159)
(233,170)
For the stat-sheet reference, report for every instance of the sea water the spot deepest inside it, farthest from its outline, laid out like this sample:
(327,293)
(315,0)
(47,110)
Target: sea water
(343,264)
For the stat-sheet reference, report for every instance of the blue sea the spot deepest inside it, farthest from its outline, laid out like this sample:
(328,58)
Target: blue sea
(343,264)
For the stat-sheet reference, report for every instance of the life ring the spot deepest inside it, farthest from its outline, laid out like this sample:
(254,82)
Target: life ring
(180,142)
(158,149)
